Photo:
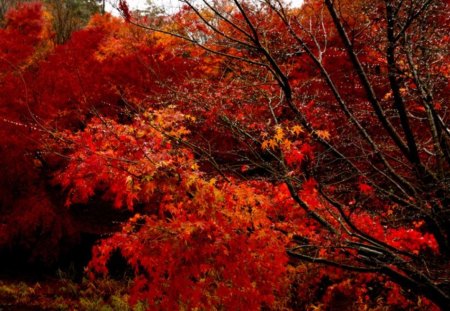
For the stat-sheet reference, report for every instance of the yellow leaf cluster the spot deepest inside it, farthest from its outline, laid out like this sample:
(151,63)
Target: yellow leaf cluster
(297,130)
(279,134)
(323,134)
(271,143)
(281,137)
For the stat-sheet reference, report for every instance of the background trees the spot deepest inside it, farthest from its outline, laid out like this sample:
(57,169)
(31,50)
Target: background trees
(71,15)
(67,15)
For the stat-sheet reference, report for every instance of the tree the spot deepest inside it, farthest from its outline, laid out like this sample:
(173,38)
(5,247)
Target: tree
(364,87)
(50,87)
(71,15)
(68,15)
(192,242)
(5,5)
(268,157)
(28,211)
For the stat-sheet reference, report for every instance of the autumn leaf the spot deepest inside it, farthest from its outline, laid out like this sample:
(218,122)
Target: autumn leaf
(279,134)
(297,130)
(323,134)
(365,188)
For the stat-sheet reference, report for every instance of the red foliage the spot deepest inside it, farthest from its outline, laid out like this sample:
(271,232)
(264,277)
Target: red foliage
(224,163)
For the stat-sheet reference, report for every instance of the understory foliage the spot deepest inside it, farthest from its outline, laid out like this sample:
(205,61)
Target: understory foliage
(233,155)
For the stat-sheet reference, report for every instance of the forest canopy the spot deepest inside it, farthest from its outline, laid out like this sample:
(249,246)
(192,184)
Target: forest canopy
(229,155)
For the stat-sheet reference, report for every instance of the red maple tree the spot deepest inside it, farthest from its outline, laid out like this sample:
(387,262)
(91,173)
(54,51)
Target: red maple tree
(269,156)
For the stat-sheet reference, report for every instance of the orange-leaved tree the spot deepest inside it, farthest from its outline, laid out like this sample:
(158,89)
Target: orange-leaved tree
(345,103)
(48,87)
(193,242)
